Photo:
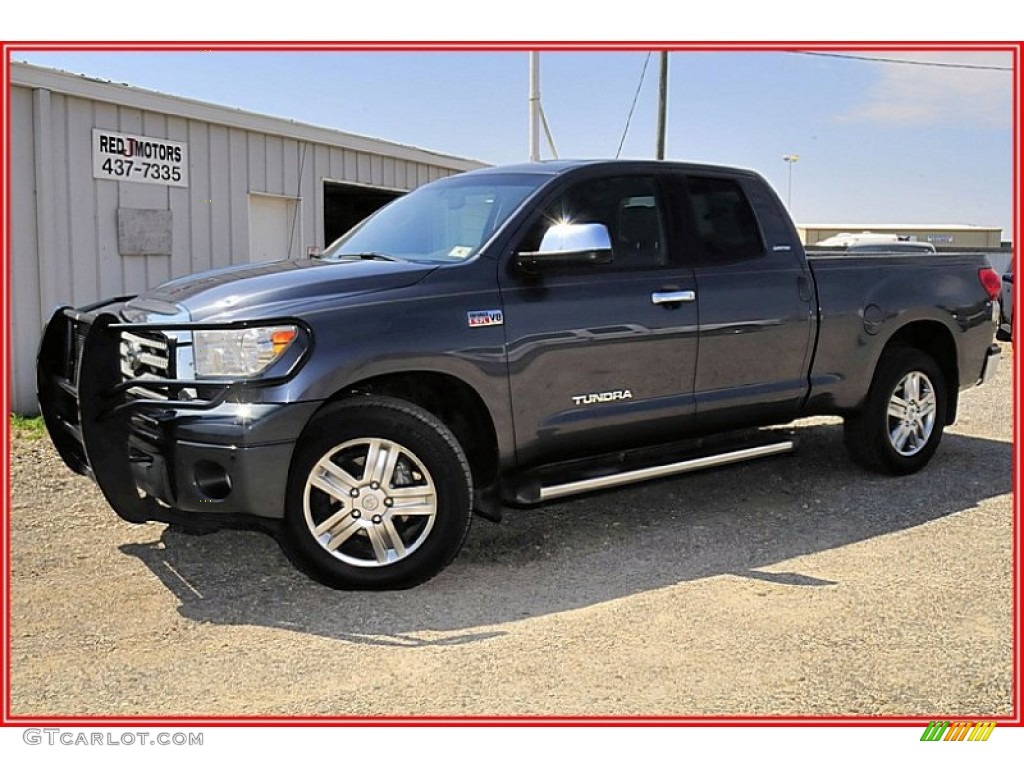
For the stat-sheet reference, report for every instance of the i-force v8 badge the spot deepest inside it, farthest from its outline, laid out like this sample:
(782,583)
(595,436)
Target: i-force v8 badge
(481,317)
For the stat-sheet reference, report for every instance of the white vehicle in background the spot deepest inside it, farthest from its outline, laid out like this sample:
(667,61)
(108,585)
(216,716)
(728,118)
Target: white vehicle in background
(848,239)
(900,246)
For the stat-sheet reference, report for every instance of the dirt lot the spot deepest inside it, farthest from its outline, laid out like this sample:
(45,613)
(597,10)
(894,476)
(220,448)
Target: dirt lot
(794,585)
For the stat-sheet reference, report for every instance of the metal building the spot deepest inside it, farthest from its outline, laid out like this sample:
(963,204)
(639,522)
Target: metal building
(116,189)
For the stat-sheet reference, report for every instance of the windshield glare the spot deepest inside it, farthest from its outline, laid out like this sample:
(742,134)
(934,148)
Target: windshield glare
(446,221)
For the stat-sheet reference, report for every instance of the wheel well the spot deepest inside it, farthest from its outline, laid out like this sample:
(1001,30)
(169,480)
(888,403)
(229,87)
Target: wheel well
(452,401)
(935,339)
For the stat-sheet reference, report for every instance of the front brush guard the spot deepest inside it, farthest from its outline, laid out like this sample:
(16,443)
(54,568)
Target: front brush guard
(77,370)
(84,400)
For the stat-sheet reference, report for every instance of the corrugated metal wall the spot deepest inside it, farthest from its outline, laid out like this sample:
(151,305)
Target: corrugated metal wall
(64,222)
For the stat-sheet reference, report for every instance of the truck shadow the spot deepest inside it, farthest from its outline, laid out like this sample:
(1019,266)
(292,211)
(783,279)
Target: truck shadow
(737,521)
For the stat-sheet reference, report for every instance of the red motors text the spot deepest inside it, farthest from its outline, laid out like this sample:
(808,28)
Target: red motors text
(129,147)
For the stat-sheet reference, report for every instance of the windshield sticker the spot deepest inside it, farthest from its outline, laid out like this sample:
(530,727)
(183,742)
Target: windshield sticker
(481,317)
(460,251)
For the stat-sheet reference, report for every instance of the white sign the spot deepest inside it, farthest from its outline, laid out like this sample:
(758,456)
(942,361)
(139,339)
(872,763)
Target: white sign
(124,157)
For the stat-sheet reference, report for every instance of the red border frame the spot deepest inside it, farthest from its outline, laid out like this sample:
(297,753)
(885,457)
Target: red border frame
(7,719)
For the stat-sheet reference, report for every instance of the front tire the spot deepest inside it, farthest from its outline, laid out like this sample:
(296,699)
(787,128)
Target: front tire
(379,496)
(901,424)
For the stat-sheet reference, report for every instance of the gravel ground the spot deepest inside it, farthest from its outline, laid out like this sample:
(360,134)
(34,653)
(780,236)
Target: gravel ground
(789,586)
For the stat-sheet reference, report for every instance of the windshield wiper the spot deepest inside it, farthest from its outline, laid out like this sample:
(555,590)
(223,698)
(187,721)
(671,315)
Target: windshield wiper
(369,256)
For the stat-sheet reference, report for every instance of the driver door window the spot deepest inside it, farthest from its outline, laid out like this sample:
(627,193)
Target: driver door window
(631,209)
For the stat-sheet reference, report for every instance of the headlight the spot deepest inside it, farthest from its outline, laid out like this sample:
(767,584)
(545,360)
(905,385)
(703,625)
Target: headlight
(240,352)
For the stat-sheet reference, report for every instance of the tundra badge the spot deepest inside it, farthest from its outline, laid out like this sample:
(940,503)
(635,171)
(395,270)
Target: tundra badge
(602,397)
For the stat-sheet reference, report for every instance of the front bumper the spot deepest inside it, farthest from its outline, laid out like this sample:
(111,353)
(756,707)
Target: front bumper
(218,459)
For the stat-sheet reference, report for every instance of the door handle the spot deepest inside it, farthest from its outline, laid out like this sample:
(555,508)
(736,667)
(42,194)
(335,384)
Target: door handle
(672,297)
(803,289)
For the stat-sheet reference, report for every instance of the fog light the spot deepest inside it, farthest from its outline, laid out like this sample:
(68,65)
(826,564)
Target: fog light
(212,480)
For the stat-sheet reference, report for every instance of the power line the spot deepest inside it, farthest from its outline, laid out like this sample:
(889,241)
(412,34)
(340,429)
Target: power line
(636,95)
(944,65)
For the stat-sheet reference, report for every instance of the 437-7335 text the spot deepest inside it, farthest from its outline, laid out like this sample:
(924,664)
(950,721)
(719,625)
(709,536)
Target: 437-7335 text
(129,168)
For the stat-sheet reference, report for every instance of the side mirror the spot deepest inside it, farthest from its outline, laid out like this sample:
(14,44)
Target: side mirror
(569,245)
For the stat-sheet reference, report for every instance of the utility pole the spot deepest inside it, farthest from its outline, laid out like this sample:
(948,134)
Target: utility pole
(790,160)
(662,103)
(534,107)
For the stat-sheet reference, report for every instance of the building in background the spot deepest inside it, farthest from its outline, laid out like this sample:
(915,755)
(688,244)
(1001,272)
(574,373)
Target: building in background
(116,189)
(961,236)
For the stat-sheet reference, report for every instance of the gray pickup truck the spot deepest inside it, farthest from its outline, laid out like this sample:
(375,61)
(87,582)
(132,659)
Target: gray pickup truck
(500,338)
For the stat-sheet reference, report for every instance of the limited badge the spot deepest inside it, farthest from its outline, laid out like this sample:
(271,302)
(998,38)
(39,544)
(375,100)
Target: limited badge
(482,317)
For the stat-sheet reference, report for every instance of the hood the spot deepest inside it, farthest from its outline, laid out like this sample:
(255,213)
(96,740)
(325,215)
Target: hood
(238,291)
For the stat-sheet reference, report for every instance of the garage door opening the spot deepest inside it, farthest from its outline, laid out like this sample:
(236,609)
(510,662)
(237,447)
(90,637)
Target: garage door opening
(345,205)
(275,227)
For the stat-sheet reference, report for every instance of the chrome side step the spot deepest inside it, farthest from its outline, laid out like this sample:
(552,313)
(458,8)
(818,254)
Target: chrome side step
(550,492)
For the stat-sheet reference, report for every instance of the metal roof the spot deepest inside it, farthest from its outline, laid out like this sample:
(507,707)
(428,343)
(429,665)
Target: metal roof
(83,86)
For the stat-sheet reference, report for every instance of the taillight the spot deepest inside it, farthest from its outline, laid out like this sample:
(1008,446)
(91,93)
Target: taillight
(990,282)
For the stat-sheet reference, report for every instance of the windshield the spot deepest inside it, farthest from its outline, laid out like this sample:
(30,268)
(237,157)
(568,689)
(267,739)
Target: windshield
(446,221)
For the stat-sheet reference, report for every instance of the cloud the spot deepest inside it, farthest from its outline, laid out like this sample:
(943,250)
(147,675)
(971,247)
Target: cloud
(913,94)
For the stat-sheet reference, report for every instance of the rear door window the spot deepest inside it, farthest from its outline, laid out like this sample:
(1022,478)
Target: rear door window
(724,226)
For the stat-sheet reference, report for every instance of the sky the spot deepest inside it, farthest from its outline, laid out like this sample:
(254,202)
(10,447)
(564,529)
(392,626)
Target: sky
(878,142)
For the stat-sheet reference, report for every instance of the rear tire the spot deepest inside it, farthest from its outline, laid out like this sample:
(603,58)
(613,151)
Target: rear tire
(379,496)
(901,424)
